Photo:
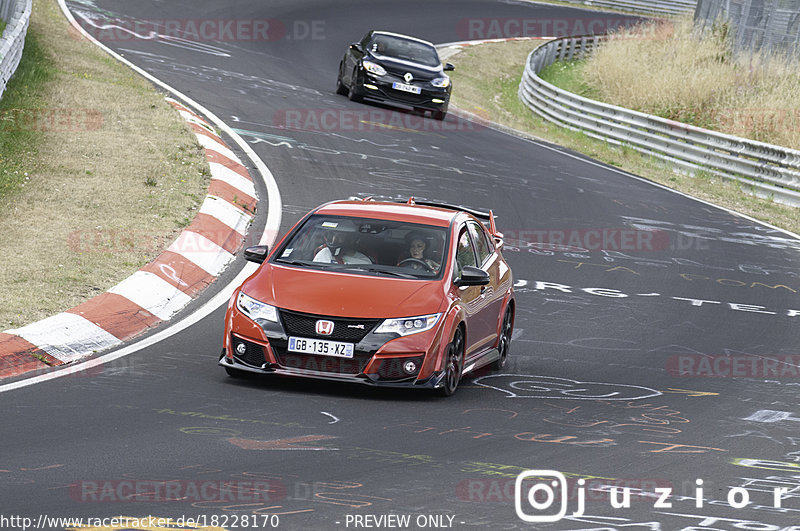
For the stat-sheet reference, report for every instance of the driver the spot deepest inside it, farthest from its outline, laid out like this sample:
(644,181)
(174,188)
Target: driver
(417,244)
(339,248)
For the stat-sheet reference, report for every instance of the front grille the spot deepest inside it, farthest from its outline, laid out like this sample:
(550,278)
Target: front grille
(400,72)
(253,354)
(304,325)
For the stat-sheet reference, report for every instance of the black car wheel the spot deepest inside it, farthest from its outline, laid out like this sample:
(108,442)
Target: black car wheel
(340,88)
(353,94)
(453,364)
(505,339)
(440,115)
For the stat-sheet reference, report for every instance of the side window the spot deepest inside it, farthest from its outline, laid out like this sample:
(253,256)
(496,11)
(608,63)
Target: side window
(465,254)
(481,244)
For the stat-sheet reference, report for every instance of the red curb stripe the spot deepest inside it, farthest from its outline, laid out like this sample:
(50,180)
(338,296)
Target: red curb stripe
(188,111)
(17,356)
(200,130)
(217,232)
(116,315)
(232,195)
(180,272)
(233,165)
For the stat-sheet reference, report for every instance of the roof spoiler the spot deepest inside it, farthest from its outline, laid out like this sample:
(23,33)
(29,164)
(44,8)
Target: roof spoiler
(482,215)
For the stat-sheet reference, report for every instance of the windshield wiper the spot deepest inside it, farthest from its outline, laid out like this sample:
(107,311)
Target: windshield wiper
(299,262)
(379,270)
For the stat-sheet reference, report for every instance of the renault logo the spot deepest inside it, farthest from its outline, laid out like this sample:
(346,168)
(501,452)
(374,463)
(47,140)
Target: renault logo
(324,328)
(408,77)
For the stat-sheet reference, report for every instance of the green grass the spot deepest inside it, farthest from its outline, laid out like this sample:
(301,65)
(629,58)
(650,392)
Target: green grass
(24,92)
(569,76)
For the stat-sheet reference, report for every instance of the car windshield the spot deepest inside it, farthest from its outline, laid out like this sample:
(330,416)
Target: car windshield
(405,49)
(366,246)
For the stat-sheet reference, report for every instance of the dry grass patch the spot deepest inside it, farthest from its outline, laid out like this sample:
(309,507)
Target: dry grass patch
(486,81)
(671,70)
(104,180)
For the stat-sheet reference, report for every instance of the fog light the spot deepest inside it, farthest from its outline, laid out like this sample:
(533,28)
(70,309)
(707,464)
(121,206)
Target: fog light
(373,87)
(437,100)
(241,348)
(410,367)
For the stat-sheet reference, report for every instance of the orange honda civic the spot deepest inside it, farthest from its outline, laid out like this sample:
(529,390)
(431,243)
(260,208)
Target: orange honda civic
(398,294)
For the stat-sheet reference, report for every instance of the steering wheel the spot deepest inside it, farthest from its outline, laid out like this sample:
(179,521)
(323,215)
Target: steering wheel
(414,262)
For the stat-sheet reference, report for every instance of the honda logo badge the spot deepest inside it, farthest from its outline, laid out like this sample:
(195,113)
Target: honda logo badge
(408,77)
(324,328)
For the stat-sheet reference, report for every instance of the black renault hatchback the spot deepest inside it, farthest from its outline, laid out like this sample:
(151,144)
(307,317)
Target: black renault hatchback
(395,69)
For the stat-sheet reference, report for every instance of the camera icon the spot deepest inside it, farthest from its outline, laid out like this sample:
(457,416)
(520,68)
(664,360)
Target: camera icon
(528,493)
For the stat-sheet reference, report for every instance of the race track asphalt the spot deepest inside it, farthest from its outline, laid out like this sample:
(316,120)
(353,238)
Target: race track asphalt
(647,282)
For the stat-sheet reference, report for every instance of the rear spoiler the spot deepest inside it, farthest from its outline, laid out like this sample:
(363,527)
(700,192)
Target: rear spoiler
(485,217)
(480,214)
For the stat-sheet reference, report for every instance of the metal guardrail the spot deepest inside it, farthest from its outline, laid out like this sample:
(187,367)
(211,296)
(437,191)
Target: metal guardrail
(652,7)
(771,171)
(17,14)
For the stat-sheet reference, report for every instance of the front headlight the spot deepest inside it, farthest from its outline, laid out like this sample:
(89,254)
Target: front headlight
(373,68)
(408,325)
(256,309)
(441,82)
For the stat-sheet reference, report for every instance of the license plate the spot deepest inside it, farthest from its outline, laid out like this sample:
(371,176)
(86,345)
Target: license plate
(321,347)
(406,88)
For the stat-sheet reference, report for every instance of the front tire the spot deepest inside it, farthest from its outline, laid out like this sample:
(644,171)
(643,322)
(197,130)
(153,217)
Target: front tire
(504,343)
(441,113)
(454,364)
(353,94)
(340,88)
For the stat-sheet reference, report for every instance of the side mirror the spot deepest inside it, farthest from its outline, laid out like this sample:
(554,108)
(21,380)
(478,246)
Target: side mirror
(472,276)
(357,47)
(449,67)
(257,253)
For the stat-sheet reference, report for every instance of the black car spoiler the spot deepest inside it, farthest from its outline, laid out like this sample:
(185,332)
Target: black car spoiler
(485,217)
(480,214)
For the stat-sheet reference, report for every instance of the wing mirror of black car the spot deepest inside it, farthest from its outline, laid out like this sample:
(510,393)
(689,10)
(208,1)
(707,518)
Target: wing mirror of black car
(472,276)
(449,67)
(357,47)
(257,253)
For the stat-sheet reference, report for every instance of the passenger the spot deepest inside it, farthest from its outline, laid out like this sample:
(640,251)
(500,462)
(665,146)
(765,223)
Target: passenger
(339,249)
